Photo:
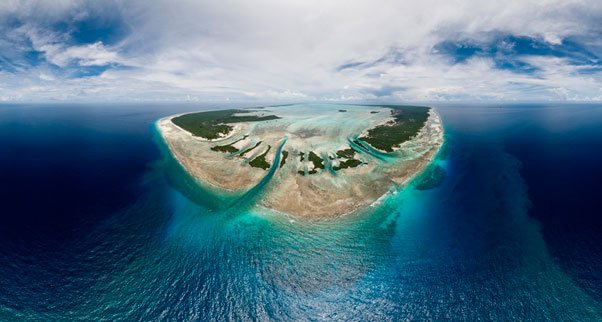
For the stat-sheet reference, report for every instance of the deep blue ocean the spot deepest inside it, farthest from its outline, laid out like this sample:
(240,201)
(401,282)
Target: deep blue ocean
(98,222)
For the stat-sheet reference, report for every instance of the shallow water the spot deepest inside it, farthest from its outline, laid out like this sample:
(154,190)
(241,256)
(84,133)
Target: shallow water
(100,223)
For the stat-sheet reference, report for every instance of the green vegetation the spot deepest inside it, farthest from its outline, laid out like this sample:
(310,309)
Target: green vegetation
(284,156)
(249,150)
(227,148)
(313,158)
(347,153)
(212,124)
(316,160)
(260,162)
(351,163)
(224,148)
(408,120)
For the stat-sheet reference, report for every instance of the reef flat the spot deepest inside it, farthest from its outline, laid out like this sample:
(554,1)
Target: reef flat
(323,160)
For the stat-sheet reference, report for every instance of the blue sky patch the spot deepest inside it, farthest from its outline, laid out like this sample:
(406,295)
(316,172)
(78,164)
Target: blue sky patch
(109,30)
(458,51)
(507,51)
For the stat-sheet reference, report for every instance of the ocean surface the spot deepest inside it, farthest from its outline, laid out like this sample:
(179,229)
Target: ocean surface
(98,222)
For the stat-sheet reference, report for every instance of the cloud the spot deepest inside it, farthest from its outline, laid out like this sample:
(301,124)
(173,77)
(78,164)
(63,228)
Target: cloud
(89,55)
(301,50)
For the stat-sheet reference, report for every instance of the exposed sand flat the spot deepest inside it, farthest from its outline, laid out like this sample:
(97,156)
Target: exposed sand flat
(353,188)
(321,192)
(207,166)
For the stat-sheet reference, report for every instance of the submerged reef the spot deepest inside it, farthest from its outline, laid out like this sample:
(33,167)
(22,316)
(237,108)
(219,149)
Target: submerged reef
(321,162)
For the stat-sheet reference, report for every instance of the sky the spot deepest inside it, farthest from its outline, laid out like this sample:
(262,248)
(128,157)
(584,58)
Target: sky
(300,50)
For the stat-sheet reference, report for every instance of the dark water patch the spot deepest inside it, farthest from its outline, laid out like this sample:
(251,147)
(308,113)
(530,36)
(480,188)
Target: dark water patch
(555,145)
(468,248)
(561,162)
(46,279)
(59,175)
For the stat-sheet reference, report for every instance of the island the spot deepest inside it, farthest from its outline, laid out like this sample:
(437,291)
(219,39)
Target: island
(317,161)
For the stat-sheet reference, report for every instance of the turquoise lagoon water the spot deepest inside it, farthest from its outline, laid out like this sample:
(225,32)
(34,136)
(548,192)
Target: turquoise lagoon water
(101,223)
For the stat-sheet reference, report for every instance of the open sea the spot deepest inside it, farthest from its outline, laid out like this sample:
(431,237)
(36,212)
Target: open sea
(98,222)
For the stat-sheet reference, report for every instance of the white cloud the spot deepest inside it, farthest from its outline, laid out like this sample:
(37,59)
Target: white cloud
(56,50)
(88,55)
(270,49)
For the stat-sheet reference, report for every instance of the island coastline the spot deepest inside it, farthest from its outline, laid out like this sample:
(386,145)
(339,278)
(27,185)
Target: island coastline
(317,194)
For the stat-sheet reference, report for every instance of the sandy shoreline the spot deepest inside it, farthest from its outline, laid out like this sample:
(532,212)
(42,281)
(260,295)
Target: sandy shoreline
(312,196)
(197,162)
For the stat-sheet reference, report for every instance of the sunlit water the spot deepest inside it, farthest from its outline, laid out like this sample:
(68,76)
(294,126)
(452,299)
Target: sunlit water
(101,223)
